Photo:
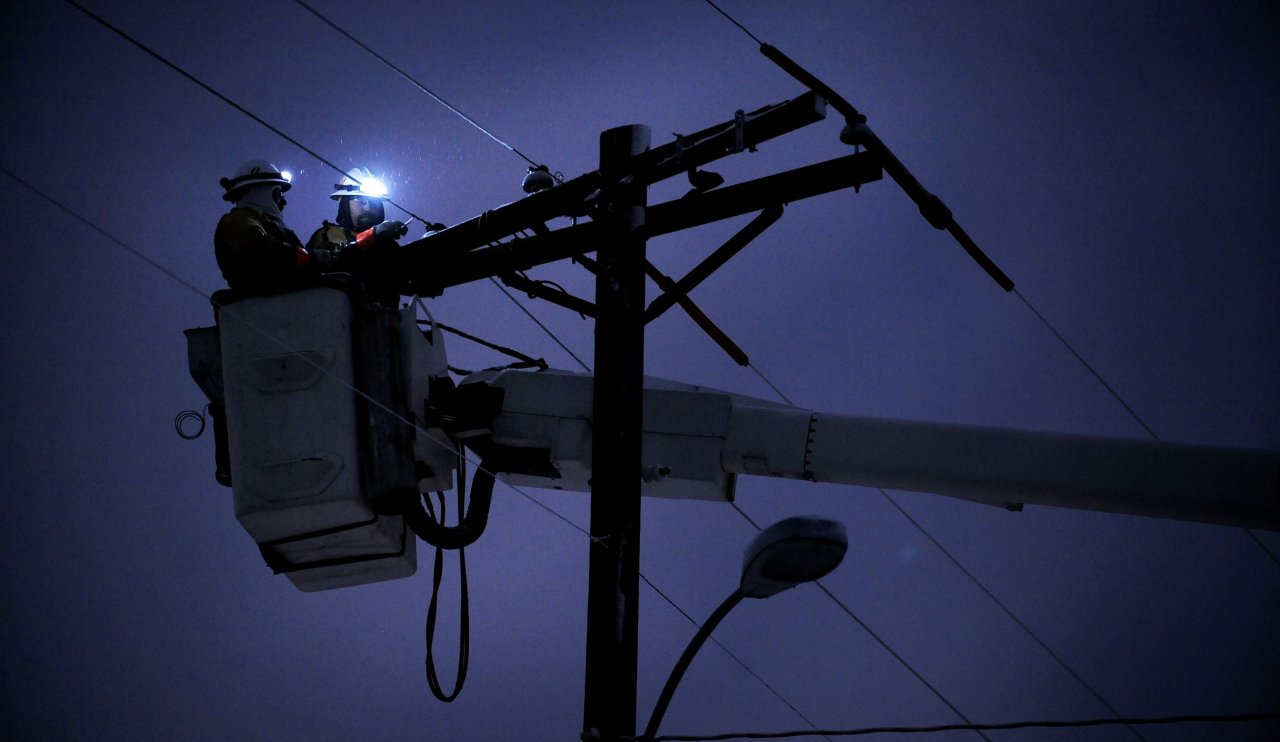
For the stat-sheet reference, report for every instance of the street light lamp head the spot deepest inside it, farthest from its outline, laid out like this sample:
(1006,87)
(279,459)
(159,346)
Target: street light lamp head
(781,556)
(791,551)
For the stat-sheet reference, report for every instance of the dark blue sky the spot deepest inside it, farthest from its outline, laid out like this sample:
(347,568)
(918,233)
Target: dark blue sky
(1117,160)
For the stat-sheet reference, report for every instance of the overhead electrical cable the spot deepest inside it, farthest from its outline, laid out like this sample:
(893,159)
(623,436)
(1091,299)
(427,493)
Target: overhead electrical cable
(1027,629)
(734,21)
(230,310)
(1087,367)
(436,97)
(901,660)
(685,302)
(295,142)
(192,78)
(413,81)
(156,55)
(551,334)
(1132,412)
(538,322)
(705,323)
(201,293)
(921,528)
(1197,719)
(819,87)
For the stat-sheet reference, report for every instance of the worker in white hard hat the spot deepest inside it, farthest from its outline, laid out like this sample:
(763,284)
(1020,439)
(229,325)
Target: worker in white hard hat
(253,246)
(361,233)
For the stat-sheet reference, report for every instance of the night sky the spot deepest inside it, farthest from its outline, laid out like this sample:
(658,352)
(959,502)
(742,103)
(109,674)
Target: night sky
(1120,161)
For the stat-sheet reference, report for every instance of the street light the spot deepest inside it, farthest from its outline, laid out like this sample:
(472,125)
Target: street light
(785,554)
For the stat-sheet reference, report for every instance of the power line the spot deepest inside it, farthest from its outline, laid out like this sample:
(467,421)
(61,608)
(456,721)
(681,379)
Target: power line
(437,98)
(110,237)
(898,657)
(156,55)
(1070,348)
(295,142)
(1004,608)
(1199,719)
(871,632)
(1061,338)
(304,148)
(553,336)
(415,83)
(231,311)
(538,322)
(735,22)
(772,386)
(1263,546)
(1132,412)
(381,58)
(277,131)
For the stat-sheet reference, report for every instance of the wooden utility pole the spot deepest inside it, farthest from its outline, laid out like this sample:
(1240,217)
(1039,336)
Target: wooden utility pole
(614,571)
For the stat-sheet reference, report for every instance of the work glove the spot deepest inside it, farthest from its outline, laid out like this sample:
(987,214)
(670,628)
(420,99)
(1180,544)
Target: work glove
(391,230)
(323,259)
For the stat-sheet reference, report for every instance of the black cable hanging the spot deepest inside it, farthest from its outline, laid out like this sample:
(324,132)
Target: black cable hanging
(1190,719)
(526,361)
(464,609)
(421,519)
(182,417)
(159,267)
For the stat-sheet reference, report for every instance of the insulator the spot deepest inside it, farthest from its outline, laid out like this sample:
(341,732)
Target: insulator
(538,179)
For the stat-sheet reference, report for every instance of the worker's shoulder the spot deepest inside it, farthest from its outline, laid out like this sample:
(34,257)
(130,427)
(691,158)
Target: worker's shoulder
(240,218)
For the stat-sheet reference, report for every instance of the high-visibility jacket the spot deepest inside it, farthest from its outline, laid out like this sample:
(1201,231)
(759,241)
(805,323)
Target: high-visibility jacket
(254,251)
(361,254)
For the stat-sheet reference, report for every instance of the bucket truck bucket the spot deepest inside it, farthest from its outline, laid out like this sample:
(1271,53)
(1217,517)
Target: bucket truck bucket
(324,394)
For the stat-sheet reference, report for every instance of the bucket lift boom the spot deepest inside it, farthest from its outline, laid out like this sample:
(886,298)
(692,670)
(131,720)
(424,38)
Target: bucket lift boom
(697,440)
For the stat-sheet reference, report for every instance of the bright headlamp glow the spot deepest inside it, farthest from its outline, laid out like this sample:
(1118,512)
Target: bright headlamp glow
(373,187)
(286,175)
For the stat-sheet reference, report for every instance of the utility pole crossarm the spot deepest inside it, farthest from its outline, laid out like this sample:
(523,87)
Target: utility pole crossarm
(430,277)
(420,261)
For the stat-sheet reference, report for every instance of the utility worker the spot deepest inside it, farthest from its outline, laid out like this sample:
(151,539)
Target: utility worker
(253,246)
(361,235)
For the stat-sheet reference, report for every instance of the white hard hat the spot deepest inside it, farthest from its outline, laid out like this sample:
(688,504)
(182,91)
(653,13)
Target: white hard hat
(251,173)
(359,182)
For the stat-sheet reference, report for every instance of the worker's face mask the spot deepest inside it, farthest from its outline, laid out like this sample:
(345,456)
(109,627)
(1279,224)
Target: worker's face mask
(365,212)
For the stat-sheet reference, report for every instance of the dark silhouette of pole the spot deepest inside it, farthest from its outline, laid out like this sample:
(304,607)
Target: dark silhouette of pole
(614,569)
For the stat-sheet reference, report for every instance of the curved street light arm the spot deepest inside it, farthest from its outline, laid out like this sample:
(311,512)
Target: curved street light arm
(677,672)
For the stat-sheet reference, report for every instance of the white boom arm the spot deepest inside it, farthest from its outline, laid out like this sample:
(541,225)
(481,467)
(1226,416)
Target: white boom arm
(696,440)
